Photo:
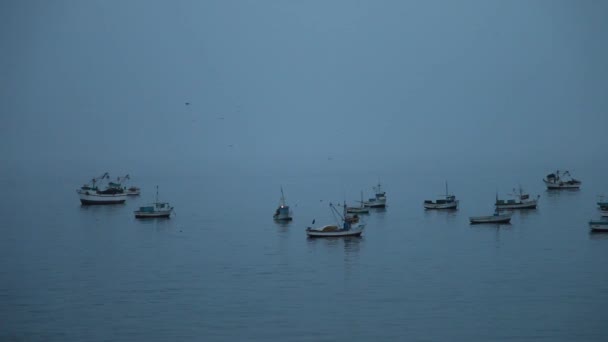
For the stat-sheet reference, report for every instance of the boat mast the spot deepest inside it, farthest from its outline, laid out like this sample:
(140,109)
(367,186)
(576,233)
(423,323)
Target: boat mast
(156,194)
(282,204)
(446,189)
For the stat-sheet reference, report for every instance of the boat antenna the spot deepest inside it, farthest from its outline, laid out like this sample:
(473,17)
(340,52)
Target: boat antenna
(157,194)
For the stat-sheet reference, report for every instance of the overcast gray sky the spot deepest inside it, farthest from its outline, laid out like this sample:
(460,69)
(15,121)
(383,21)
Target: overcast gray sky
(269,80)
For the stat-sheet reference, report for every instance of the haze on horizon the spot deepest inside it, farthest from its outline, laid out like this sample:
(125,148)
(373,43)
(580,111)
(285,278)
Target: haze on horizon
(87,81)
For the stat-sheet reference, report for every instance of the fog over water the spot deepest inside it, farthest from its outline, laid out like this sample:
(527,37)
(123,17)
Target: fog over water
(222,102)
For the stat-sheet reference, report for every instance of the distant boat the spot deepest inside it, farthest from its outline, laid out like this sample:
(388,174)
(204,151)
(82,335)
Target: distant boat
(602,203)
(283,213)
(361,209)
(154,210)
(496,218)
(522,201)
(598,225)
(563,180)
(379,201)
(450,201)
(90,194)
(348,228)
(130,191)
(604,211)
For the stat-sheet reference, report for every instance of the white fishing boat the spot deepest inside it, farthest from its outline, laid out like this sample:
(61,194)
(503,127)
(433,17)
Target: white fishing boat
(522,201)
(361,209)
(283,213)
(154,210)
(448,202)
(562,180)
(344,228)
(379,201)
(90,194)
(598,225)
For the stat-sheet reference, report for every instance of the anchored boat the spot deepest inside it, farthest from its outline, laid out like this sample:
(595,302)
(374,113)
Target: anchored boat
(496,218)
(598,225)
(449,202)
(379,201)
(90,194)
(345,228)
(283,213)
(563,180)
(156,209)
(361,209)
(522,201)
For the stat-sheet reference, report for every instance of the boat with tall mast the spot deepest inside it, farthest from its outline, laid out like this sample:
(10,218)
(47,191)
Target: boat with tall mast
(155,210)
(345,226)
(448,202)
(379,200)
(283,213)
(561,180)
(91,194)
(522,201)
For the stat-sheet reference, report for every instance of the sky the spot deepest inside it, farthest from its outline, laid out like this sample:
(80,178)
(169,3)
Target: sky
(293,81)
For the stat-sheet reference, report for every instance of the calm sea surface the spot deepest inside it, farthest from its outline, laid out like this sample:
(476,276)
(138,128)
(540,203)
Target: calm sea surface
(222,270)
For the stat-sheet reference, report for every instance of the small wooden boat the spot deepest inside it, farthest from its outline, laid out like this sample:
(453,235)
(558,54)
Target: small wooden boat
(496,218)
(347,227)
(283,213)
(557,180)
(154,210)
(598,225)
(133,191)
(362,209)
(522,201)
(450,201)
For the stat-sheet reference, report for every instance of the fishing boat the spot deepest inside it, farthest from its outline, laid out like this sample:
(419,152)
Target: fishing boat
(283,213)
(448,202)
(562,180)
(154,210)
(379,201)
(90,193)
(598,225)
(361,209)
(130,191)
(344,228)
(496,218)
(522,201)
(133,191)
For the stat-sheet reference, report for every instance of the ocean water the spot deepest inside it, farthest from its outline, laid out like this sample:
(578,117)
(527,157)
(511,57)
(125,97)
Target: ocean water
(221,270)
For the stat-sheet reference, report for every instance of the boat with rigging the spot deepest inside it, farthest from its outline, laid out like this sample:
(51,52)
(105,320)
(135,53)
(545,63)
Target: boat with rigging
(379,200)
(130,191)
(561,180)
(448,202)
(345,226)
(522,201)
(90,193)
(154,210)
(283,213)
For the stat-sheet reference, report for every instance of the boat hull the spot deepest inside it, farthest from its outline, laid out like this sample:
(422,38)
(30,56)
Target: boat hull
(490,219)
(375,204)
(314,233)
(561,185)
(452,205)
(163,214)
(598,226)
(89,198)
(521,205)
(357,210)
(133,193)
(604,213)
